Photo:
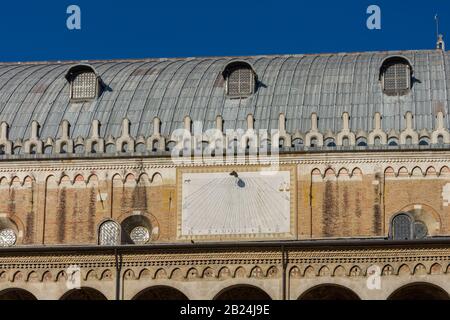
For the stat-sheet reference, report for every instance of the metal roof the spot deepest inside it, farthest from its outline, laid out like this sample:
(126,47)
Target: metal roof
(296,85)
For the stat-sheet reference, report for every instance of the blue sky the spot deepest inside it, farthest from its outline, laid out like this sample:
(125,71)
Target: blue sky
(36,30)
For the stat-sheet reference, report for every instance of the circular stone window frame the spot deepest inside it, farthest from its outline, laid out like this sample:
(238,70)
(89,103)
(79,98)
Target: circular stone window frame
(139,231)
(154,224)
(9,232)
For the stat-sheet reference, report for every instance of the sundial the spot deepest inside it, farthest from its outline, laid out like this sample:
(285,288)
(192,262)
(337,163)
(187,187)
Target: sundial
(235,203)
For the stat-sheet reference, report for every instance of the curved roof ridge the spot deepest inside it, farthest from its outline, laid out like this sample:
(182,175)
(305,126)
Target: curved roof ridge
(250,56)
(296,84)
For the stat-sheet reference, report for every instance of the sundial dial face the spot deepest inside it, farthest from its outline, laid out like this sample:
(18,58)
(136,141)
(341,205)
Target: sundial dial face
(235,203)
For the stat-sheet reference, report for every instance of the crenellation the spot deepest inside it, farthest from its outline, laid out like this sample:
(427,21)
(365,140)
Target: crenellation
(250,139)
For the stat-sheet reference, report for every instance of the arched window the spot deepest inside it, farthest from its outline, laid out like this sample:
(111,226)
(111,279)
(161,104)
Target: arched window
(155,145)
(109,234)
(329,142)
(402,227)
(240,79)
(405,227)
(297,143)
(63,147)
(79,149)
(377,141)
(395,76)
(170,146)
(140,147)
(233,146)
(420,230)
(33,149)
(17,150)
(94,147)
(345,141)
(84,83)
(361,142)
(424,141)
(110,148)
(408,140)
(393,142)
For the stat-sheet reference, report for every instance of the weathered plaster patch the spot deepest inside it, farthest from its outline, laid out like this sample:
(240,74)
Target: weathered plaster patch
(102,197)
(446,194)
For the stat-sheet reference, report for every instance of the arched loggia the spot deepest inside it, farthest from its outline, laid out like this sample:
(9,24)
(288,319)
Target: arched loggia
(16,294)
(329,292)
(160,293)
(242,292)
(419,291)
(83,294)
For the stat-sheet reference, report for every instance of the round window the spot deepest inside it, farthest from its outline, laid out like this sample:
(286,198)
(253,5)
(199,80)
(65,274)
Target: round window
(420,230)
(140,235)
(7,238)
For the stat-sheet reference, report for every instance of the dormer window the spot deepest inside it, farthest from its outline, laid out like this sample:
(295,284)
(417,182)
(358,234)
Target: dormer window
(84,83)
(395,76)
(240,79)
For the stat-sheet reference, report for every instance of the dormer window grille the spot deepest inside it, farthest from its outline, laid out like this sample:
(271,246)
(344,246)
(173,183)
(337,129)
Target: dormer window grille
(395,76)
(240,80)
(84,86)
(84,83)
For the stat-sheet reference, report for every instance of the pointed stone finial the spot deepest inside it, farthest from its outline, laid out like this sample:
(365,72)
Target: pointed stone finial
(219,123)
(33,145)
(345,121)
(314,133)
(34,130)
(408,135)
(314,121)
(4,131)
(345,137)
(440,134)
(408,117)
(187,123)
(125,127)
(282,122)
(95,133)
(64,143)
(95,143)
(440,120)
(125,143)
(156,126)
(65,127)
(250,122)
(377,121)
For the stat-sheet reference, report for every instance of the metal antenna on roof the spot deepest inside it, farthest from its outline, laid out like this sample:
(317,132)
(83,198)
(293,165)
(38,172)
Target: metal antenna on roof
(436,18)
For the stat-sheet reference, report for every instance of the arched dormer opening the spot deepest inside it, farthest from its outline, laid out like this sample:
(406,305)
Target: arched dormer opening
(85,84)
(396,76)
(240,79)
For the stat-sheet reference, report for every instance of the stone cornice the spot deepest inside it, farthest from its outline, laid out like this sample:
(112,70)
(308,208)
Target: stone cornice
(226,256)
(134,163)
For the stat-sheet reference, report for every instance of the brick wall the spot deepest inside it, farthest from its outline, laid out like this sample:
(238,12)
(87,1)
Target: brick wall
(332,201)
